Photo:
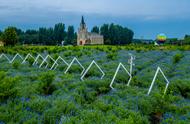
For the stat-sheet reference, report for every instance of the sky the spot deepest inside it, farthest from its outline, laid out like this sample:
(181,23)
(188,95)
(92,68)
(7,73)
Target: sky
(147,18)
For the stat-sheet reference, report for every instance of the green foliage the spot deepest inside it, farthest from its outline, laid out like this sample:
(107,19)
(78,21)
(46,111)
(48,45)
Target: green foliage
(41,96)
(95,29)
(10,36)
(116,34)
(0,35)
(39,104)
(8,87)
(177,57)
(59,32)
(75,69)
(112,56)
(30,61)
(187,39)
(183,87)
(16,64)
(70,39)
(46,85)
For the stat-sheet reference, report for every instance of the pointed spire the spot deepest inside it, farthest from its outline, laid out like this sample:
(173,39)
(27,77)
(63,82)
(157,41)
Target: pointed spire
(82,21)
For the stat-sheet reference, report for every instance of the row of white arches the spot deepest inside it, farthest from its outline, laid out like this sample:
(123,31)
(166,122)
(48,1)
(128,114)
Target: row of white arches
(84,71)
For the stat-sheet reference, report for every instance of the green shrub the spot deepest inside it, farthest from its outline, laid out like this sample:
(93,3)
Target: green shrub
(101,86)
(16,64)
(8,87)
(90,96)
(93,72)
(46,85)
(112,56)
(39,104)
(177,57)
(75,69)
(183,88)
(30,61)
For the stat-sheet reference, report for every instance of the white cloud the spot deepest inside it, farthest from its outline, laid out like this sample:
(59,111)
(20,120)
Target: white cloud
(148,9)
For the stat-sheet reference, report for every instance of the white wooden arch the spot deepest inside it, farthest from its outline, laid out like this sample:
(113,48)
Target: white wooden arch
(45,61)
(36,59)
(17,55)
(130,61)
(86,71)
(56,64)
(5,56)
(75,59)
(116,72)
(27,56)
(153,81)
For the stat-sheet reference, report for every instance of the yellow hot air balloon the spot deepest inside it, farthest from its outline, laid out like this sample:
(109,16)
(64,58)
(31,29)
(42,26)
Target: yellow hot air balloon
(161,38)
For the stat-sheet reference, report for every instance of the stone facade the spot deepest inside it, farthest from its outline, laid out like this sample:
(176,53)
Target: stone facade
(86,38)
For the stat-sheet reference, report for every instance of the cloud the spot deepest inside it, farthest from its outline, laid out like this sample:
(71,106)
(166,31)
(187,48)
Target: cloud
(149,9)
(145,17)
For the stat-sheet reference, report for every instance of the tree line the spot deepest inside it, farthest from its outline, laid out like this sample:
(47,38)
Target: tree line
(42,36)
(113,34)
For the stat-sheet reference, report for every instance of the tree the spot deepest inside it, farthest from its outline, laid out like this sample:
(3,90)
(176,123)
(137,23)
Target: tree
(59,32)
(10,36)
(187,39)
(50,37)
(70,35)
(104,30)
(0,34)
(20,34)
(95,29)
(116,34)
(31,37)
(112,34)
(42,35)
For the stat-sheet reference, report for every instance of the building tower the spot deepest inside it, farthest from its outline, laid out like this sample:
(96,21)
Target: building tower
(87,38)
(82,33)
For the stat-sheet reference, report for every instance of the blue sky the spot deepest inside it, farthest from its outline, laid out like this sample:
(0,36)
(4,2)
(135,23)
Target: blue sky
(146,18)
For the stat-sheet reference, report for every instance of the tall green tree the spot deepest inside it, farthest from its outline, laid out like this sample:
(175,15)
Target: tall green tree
(104,30)
(9,36)
(116,34)
(50,37)
(0,34)
(112,34)
(70,35)
(59,32)
(95,29)
(31,37)
(187,39)
(42,35)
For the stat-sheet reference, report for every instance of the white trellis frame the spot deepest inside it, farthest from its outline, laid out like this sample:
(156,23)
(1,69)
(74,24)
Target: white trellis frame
(3,55)
(75,59)
(45,61)
(56,63)
(17,55)
(130,61)
(86,71)
(36,60)
(153,81)
(117,70)
(27,56)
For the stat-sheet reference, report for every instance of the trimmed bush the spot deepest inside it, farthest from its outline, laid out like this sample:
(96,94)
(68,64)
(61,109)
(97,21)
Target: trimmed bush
(177,57)
(46,85)
(8,87)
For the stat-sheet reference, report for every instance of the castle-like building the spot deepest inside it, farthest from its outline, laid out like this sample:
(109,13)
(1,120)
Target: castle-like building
(86,38)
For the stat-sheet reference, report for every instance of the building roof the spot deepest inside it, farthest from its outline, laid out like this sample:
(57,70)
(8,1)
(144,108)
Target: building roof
(95,35)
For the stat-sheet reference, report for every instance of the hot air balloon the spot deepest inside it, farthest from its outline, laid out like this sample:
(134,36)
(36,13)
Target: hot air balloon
(161,38)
